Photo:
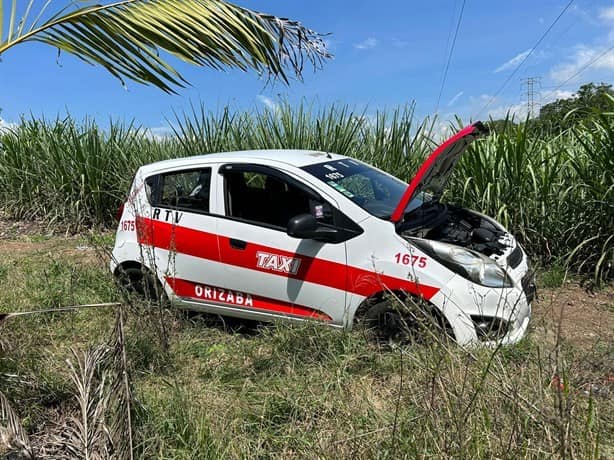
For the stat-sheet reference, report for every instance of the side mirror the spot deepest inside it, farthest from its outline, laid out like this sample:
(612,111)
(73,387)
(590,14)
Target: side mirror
(306,226)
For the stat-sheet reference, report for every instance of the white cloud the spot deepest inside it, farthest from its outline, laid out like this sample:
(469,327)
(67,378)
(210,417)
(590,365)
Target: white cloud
(483,107)
(513,62)
(268,102)
(455,98)
(607,14)
(367,120)
(367,44)
(518,111)
(158,133)
(581,57)
(550,96)
(6,125)
(442,129)
(582,15)
(557,94)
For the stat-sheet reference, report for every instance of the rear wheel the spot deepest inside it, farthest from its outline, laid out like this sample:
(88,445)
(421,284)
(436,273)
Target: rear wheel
(146,295)
(140,282)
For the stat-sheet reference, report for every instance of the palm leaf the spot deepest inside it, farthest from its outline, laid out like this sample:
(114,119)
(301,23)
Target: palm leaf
(86,436)
(118,418)
(102,428)
(129,38)
(12,434)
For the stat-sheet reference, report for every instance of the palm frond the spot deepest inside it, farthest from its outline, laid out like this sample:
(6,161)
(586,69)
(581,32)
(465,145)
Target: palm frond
(127,38)
(102,427)
(86,436)
(12,434)
(119,416)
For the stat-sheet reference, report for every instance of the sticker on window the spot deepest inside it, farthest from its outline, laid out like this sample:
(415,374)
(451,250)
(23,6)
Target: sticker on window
(334,176)
(341,189)
(318,211)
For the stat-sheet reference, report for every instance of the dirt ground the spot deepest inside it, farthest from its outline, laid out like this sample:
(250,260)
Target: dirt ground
(12,229)
(585,318)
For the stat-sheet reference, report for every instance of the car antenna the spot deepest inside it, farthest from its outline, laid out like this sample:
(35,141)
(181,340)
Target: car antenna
(329,156)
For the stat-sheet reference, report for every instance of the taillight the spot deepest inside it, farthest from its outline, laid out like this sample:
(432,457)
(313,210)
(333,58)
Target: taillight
(120,212)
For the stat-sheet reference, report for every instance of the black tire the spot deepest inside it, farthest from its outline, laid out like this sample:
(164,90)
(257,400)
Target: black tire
(391,321)
(141,283)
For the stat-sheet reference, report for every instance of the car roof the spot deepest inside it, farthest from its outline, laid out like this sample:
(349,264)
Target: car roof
(297,158)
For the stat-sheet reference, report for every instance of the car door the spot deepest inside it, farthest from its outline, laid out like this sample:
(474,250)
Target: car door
(298,278)
(178,233)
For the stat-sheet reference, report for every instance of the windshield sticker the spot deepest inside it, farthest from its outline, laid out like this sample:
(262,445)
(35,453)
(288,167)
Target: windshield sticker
(340,189)
(375,191)
(334,176)
(319,211)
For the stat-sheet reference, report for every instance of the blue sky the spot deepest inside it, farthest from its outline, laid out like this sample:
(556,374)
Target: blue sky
(386,54)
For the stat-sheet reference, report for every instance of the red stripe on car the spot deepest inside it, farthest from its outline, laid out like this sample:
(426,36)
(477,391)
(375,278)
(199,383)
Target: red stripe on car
(336,275)
(204,292)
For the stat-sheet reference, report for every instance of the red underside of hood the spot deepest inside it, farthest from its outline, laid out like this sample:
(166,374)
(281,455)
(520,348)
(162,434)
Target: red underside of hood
(437,169)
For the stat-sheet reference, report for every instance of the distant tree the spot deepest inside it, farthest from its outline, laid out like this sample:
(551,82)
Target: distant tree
(588,101)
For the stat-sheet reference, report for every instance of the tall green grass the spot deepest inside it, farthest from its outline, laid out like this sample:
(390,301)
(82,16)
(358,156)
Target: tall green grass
(72,173)
(554,192)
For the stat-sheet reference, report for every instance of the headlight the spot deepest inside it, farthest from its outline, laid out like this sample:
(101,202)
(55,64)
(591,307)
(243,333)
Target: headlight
(469,264)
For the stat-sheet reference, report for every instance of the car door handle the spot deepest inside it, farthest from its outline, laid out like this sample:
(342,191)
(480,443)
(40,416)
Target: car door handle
(237,244)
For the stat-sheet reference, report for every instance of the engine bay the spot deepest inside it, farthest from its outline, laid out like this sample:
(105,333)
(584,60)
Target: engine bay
(455,225)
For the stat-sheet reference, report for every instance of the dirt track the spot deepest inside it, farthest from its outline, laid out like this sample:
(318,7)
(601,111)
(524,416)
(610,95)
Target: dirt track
(585,318)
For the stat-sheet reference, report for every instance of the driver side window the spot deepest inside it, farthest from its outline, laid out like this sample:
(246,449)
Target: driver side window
(268,198)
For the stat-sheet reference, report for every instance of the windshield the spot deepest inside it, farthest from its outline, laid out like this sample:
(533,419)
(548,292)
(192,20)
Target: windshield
(371,189)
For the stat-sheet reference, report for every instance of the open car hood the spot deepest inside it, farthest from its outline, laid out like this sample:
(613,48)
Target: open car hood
(437,169)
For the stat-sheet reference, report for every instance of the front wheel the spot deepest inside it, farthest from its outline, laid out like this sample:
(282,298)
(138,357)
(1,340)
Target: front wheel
(410,321)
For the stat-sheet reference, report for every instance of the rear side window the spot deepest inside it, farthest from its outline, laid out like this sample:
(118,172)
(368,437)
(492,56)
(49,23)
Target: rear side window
(188,190)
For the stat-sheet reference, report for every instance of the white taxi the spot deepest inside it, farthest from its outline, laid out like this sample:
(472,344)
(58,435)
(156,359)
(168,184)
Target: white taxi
(301,234)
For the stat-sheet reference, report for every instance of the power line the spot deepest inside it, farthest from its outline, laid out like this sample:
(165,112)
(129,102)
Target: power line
(582,69)
(446,50)
(587,5)
(445,72)
(490,101)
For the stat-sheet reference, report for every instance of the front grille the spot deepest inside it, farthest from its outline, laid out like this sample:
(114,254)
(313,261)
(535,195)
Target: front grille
(528,286)
(514,259)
